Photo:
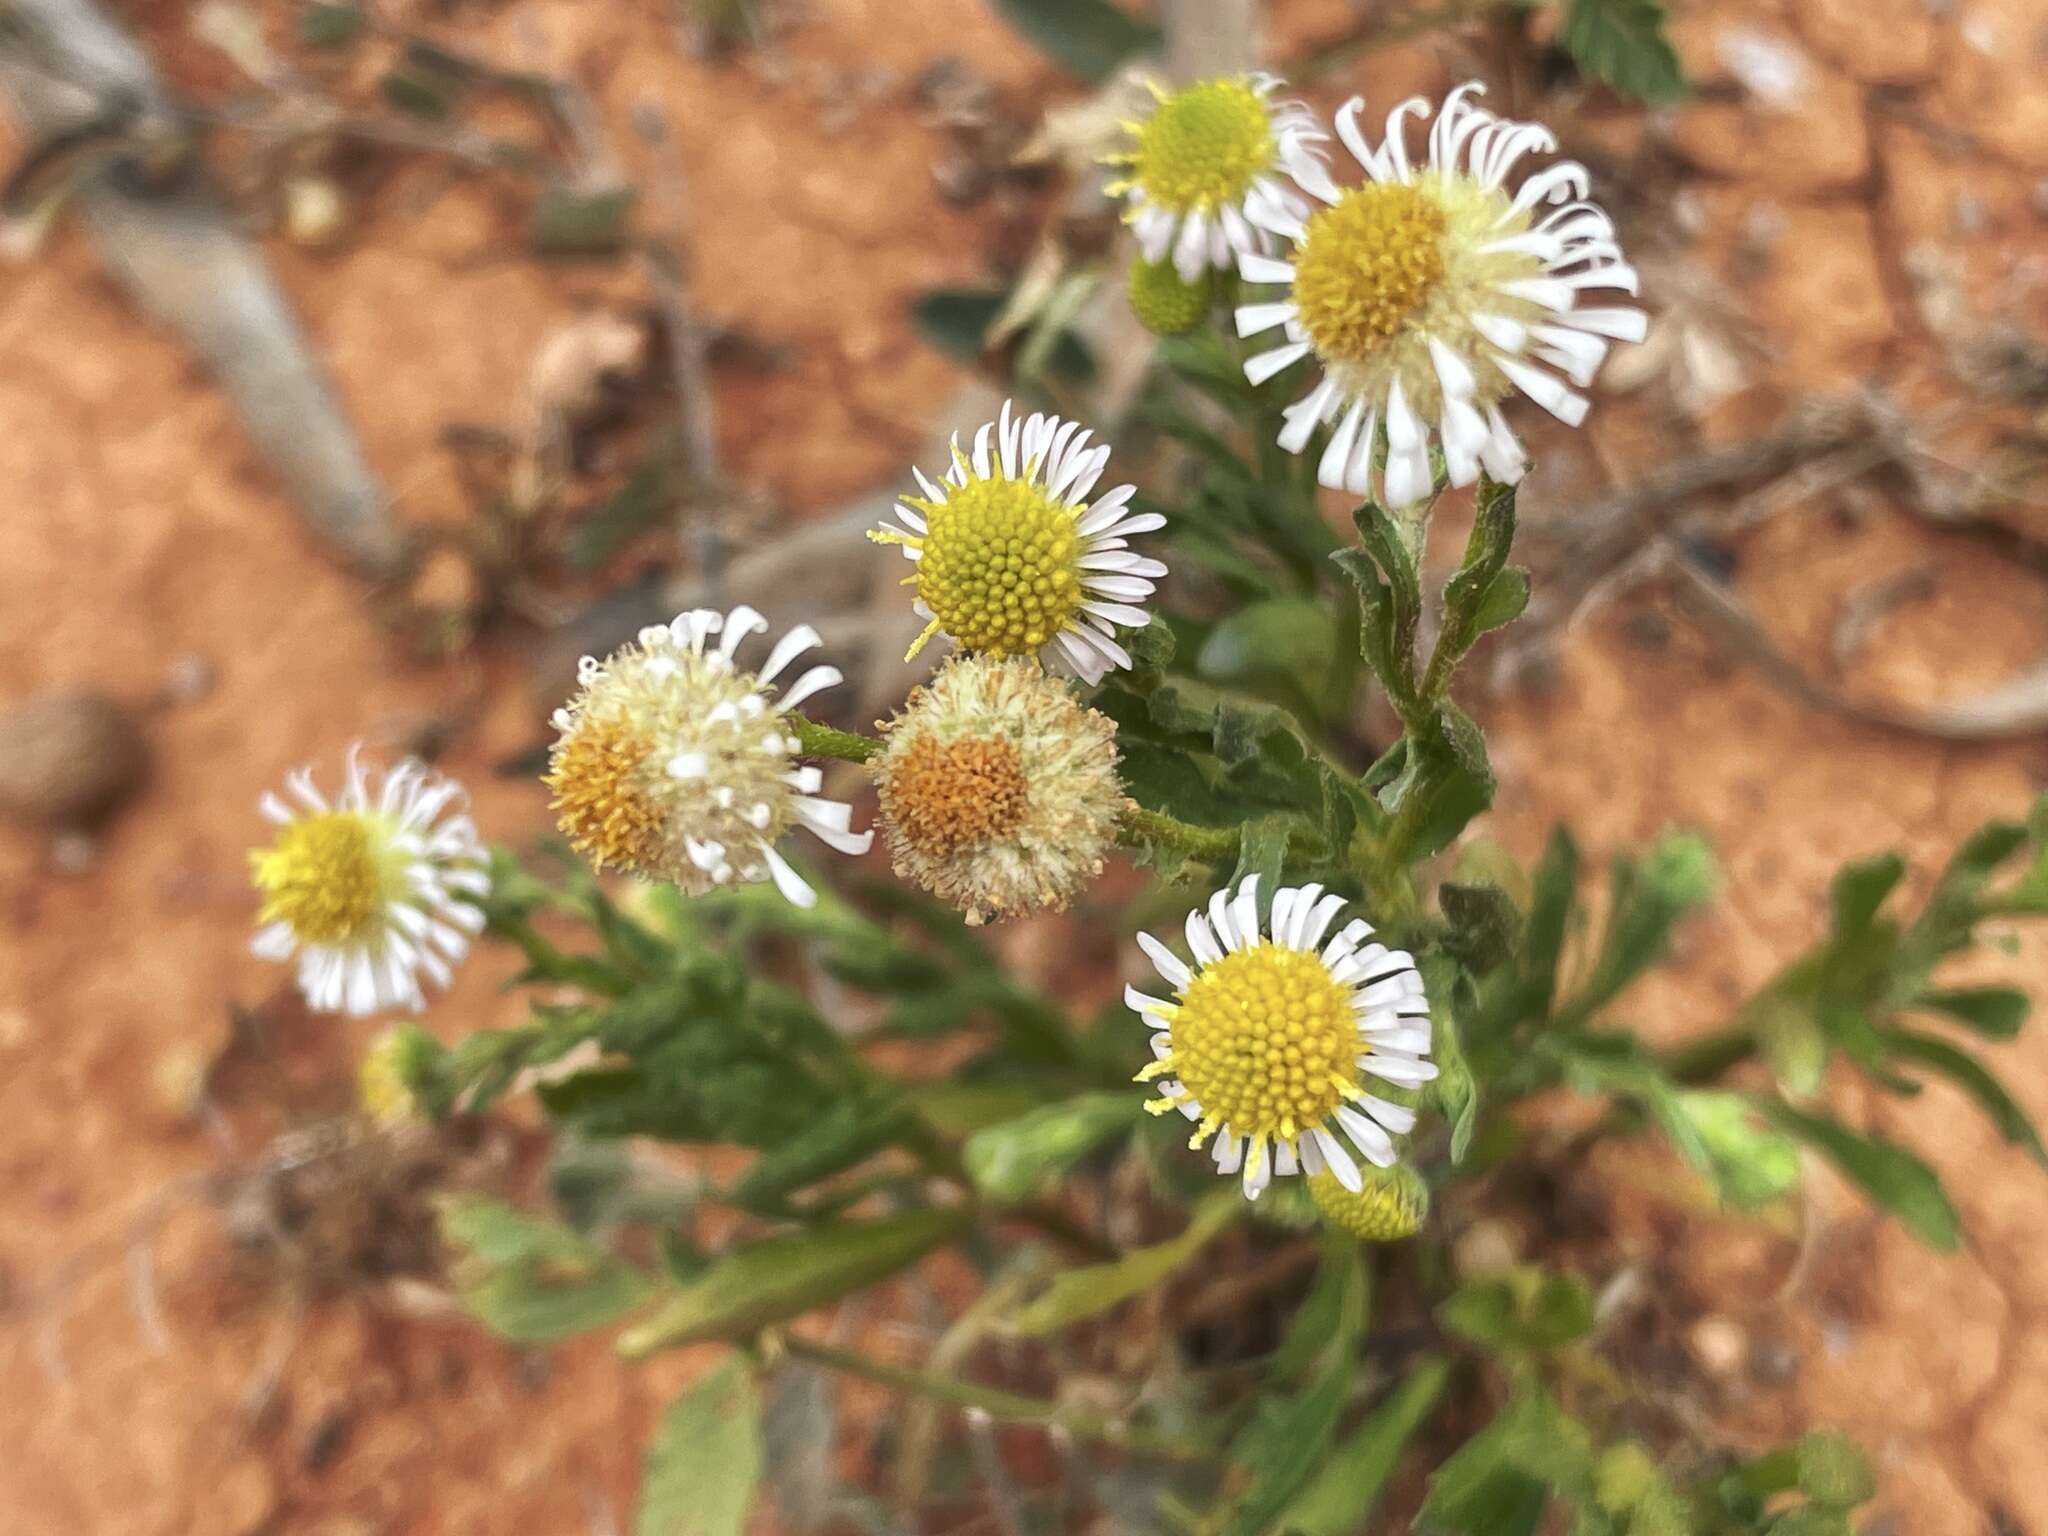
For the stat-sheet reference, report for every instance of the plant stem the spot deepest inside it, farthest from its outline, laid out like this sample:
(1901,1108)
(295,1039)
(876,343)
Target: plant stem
(1210,844)
(1010,1407)
(815,740)
(1709,1057)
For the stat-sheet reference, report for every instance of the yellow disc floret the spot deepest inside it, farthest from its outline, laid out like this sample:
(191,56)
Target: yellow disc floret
(1266,1042)
(1365,265)
(1202,146)
(1000,566)
(327,877)
(1388,1205)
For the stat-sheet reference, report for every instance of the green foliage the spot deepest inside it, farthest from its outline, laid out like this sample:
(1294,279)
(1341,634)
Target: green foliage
(882,1084)
(331,24)
(1884,1170)
(704,1460)
(1078,1294)
(530,1280)
(1011,1159)
(1342,1497)
(769,1282)
(1750,1164)
(1525,1308)
(1088,37)
(1624,43)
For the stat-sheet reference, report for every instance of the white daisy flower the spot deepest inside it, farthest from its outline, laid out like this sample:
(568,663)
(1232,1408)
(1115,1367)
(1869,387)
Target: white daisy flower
(1205,157)
(1430,294)
(372,888)
(1269,1037)
(1012,557)
(674,762)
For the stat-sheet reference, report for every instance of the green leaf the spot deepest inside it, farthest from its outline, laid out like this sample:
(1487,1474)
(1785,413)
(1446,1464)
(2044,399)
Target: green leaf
(647,499)
(1291,639)
(1390,603)
(1647,899)
(1447,779)
(1522,1308)
(847,1134)
(1997,1013)
(704,1461)
(1008,1161)
(1346,1491)
(1455,1090)
(1088,38)
(1076,1294)
(1973,1077)
(530,1280)
(1794,1045)
(1552,889)
(956,320)
(1750,1164)
(1468,595)
(426,82)
(1261,851)
(1502,602)
(1887,1172)
(1479,1490)
(769,1282)
(328,24)
(1484,924)
(1281,1445)
(1331,1319)
(1833,1471)
(1624,43)
(576,218)
(1861,888)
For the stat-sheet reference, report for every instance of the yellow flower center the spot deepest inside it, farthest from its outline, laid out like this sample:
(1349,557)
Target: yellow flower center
(1000,569)
(327,878)
(1202,146)
(1265,1041)
(1365,264)
(602,802)
(949,798)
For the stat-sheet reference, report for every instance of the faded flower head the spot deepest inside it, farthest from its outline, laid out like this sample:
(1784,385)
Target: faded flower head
(1204,157)
(1429,294)
(370,889)
(675,763)
(998,789)
(1267,1039)
(1388,1205)
(1012,557)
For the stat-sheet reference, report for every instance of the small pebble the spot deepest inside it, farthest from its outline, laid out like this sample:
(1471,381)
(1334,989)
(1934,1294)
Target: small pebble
(70,759)
(1719,1345)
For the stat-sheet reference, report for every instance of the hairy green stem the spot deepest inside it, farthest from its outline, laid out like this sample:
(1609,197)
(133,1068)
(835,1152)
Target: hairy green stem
(815,740)
(1010,1407)
(1137,827)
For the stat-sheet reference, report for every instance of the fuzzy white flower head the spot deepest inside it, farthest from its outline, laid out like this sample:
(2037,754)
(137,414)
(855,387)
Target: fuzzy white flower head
(1431,293)
(1271,1031)
(675,763)
(999,790)
(1012,557)
(370,889)
(1204,157)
